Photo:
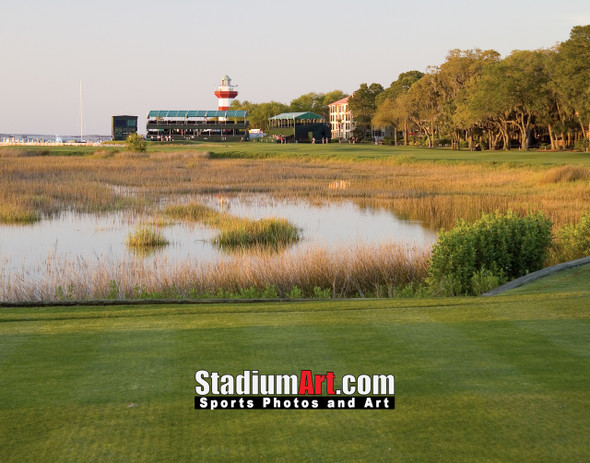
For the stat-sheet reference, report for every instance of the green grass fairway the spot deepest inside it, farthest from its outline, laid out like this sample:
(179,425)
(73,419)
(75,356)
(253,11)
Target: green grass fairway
(358,152)
(477,379)
(574,279)
(332,151)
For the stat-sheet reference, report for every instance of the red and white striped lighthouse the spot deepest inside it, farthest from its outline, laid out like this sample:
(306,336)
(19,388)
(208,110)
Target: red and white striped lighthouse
(225,93)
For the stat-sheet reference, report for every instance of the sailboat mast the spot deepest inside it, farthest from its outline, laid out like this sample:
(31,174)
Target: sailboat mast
(81,123)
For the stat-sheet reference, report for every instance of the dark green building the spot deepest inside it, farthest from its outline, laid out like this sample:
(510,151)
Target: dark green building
(300,127)
(123,126)
(197,125)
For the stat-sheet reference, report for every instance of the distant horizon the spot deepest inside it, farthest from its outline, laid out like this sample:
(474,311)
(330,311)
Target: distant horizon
(277,53)
(49,135)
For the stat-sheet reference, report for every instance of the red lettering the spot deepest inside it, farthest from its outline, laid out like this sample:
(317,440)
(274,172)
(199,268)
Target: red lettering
(306,383)
(319,379)
(330,383)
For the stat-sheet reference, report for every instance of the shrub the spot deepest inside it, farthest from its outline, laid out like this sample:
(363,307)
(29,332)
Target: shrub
(295,293)
(412,290)
(444,141)
(135,143)
(269,292)
(249,293)
(572,241)
(581,145)
(484,280)
(472,256)
(320,293)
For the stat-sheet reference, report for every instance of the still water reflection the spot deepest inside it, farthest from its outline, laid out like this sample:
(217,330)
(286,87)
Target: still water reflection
(102,237)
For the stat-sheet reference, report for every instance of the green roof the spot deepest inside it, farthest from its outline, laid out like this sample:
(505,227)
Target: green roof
(296,116)
(196,113)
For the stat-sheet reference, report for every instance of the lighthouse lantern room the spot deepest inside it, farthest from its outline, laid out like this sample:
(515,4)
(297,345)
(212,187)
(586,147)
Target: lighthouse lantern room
(225,93)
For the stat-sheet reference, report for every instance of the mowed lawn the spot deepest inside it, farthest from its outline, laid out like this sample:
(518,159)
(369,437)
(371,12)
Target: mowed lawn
(477,379)
(571,280)
(360,152)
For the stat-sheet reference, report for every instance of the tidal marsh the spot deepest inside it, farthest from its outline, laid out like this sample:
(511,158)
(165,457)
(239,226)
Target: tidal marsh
(145,237)
(13,214)
(351,271)
(436,194)
(238,232)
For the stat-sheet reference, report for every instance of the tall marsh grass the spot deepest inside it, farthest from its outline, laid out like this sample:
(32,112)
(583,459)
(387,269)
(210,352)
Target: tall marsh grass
(354,271)
(273,232)
(238,231)
(12,214)
(565,174)
(439,194)
(436,192)
(145,237)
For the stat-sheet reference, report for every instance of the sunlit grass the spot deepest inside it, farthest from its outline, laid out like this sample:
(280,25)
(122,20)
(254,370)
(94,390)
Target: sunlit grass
(272,232)
(384,270)
(418,184)
(197,212)
(423,185)
(238,231)
(566,174)
(18,215)
(145,237)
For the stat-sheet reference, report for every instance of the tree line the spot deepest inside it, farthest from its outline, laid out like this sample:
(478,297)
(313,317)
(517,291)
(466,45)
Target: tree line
(259,113)
(475,99)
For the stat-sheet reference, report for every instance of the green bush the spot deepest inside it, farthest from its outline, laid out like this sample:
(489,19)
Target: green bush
(269,292)
(320,293)
(572,241)
(444,141)
(412,290)
(295,293)
(135,143)
(496,248)
(485,280)
(581,145)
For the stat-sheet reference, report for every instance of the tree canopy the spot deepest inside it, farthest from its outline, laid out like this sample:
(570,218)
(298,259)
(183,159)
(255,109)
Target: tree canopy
(362,104)
(259,113)
(475,98)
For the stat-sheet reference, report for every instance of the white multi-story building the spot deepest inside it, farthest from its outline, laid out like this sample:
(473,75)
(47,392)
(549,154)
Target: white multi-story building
(341,121)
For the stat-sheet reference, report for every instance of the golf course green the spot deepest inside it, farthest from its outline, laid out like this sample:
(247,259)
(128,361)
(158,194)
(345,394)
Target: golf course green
(504,378)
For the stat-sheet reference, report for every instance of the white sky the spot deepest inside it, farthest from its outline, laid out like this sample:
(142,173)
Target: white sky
(133,56)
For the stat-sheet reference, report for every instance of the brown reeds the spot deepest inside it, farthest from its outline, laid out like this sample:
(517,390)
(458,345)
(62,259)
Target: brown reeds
(437,193)
(90,183)
(565,174)
(355,271)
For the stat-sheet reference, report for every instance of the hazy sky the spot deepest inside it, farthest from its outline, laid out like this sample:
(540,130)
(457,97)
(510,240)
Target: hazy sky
(133,56)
